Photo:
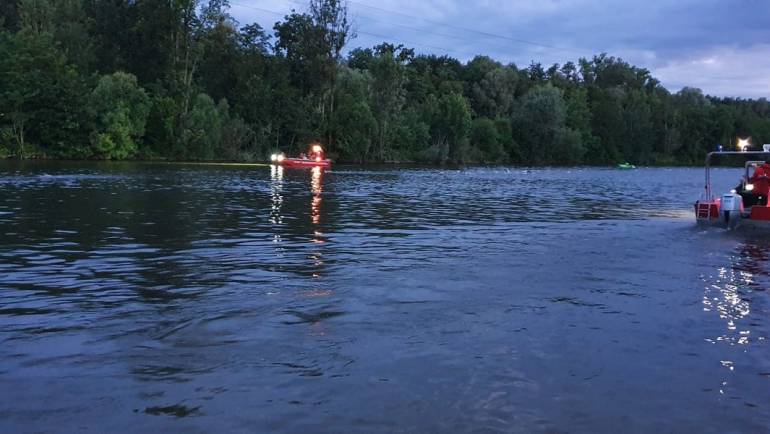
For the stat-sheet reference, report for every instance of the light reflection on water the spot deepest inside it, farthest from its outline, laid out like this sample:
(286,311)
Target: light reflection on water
(276,189)
(316,187)
(168,298)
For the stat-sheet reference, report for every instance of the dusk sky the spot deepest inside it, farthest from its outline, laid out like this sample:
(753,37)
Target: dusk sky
(720,46)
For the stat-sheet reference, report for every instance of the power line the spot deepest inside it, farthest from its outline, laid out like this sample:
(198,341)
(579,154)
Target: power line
(416,29)
(465,29)
(433,47)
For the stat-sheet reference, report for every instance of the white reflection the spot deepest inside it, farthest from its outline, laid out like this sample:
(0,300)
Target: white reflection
(723,296)
(276,194)
(316,186)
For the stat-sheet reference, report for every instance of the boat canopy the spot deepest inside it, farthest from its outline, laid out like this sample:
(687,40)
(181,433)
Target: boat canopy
(760,155)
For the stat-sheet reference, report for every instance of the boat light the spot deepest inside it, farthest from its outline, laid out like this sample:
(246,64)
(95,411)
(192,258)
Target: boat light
(318,159)
(749,187)
(743,144)
(274,158)
(280,157)
(317,149)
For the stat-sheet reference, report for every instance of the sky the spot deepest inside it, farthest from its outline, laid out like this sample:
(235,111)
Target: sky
(719,46)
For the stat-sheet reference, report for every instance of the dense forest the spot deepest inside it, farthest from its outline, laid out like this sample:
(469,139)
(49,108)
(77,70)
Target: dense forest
(182,79)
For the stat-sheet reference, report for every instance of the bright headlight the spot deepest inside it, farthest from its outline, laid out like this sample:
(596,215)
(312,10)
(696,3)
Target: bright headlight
(274,157)
(749,187)
(280,157)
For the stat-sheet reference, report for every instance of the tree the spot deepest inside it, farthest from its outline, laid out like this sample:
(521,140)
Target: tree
(9,16)
(353,122)
(579,123)
(160,133)
(219,39)
(539,124)
(486,137)
(388,93)
(450,118)
(331,16)
(638,135)
(37,16)
(40,95)
(71,31)
(120,109)
(494,94)
(607,122)
(202,132)
(237,138)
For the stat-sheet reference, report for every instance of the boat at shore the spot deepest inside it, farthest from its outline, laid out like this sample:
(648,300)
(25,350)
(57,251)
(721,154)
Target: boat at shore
(314,158)
(626,166)
(747,204)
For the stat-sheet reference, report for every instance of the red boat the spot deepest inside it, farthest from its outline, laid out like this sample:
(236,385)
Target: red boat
(314,158)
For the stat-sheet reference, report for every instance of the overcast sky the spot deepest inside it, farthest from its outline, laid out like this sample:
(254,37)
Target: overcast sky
(720,46)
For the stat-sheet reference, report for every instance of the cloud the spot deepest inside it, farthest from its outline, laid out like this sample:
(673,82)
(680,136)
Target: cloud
(722,71)
(672,38)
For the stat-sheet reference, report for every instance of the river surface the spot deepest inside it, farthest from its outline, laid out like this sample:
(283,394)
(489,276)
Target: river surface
(184,298)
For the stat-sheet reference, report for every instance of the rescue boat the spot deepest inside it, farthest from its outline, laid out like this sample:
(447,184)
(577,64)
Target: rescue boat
(314,158)
(746,204)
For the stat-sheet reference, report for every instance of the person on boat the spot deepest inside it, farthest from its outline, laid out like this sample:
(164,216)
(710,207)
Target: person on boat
(316,151)
(761,174)
(760,180)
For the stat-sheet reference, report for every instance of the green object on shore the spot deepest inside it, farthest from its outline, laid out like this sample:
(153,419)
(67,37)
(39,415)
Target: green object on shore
(626,166)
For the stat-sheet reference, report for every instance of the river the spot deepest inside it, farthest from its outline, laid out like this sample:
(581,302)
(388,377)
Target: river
(189,298)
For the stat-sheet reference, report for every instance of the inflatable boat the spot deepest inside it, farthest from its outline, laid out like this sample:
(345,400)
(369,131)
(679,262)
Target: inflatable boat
(314,158)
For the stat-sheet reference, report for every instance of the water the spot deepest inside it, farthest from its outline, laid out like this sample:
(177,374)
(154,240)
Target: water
(159,298)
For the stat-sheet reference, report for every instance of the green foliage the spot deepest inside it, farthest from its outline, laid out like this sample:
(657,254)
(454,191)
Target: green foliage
(202,131)
(539,124)
(160,130)
(40,95)
(388,95)
(120,110)
(486,137)
(491,87)
(410,135)
(139,79)
(9,16)
(450,125)
(353,123)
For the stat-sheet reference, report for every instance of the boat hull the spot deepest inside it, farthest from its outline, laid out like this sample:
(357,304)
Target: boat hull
(299,163)
(712,214)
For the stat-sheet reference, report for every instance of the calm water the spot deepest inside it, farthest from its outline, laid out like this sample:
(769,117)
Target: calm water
(154,298)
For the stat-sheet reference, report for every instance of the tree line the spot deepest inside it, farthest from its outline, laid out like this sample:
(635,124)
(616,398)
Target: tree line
(182,79)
